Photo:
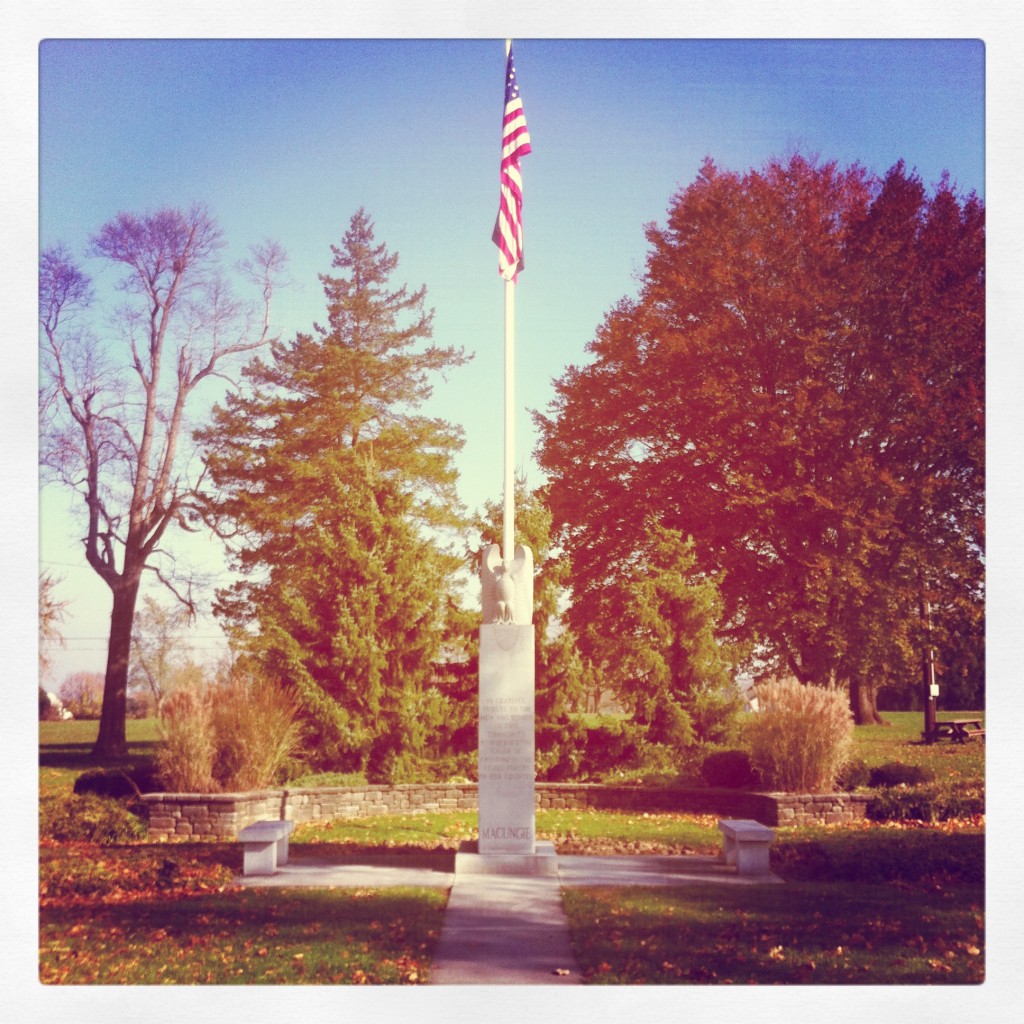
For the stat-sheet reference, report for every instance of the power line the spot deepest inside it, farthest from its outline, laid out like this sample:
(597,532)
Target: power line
(147,636)
(205,574)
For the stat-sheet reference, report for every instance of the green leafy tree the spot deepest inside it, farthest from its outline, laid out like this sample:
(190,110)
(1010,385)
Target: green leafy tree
(799,388)
(651,626)
(335,495)
(451,739)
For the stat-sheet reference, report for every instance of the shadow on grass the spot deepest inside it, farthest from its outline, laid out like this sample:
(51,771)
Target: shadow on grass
(78,756)
(286,909)
(370,855)
(246,936)
(810,933)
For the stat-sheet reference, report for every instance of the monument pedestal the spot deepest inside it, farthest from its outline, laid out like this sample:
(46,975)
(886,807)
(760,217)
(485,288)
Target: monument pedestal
(541,861)
(506,746)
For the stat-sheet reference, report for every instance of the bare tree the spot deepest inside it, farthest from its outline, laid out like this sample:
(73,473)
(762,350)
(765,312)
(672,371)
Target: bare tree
(114,406)
(51,614)
(156,642)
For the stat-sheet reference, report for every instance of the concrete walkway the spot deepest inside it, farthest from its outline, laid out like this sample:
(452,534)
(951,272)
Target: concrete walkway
(501,929)
(504,930)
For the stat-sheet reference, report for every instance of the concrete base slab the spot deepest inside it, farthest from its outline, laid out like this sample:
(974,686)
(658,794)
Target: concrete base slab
(369,871)
(650,870)
(469,861)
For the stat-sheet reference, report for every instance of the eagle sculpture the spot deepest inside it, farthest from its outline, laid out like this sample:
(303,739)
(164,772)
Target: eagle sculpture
(507,592)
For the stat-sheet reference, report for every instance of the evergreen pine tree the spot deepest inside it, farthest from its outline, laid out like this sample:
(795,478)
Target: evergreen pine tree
(335,493)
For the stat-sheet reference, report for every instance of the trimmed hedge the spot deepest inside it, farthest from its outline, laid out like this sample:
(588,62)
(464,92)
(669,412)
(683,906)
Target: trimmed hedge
(895,773)
(116,783)
(730,769)
(937,802)
(853,775)
(880,856)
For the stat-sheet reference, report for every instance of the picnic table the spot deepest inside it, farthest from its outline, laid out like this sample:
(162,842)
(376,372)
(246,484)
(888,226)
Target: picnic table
(959,730)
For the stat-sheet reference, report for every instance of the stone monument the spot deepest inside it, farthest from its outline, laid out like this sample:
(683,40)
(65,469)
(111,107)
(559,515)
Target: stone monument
(506,744)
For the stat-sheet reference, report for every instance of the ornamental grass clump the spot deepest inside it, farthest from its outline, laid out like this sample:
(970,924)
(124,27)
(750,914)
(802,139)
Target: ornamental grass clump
(800,737)
(239,734)
(256,729)
(185,749)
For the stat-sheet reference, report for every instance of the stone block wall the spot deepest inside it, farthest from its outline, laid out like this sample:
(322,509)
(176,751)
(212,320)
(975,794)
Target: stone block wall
(223,815)
(772,809)
(208,815)
(822,808)
(364,801)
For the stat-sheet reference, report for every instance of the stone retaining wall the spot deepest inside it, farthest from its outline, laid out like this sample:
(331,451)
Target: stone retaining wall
(223,815)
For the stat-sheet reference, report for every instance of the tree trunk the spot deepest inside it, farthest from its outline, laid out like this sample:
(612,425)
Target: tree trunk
(864,702)
(112,742)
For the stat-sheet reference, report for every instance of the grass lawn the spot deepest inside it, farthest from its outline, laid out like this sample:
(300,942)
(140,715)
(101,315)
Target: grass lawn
(64,749)
(572,831)
(800,933)
(252,937)
(900,740)
(145,914)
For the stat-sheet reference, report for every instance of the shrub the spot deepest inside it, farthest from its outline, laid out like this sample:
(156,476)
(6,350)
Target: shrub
(87,819)
(926,803)
(714,713)
(729,768)
(895,773)
(560,748)
(879,856)
(611,745)
(308,780)
(117,783)
(387,766)
(853,775)
(800,737)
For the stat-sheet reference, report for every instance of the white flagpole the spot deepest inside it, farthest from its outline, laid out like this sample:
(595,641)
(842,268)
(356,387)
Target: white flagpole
(508,536)
(508,533)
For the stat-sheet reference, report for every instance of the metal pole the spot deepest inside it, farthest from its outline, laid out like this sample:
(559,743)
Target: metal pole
(929,675)
(508,534)
(508,527)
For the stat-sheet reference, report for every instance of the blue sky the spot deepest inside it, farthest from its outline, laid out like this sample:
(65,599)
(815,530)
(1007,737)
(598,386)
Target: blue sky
(286,139)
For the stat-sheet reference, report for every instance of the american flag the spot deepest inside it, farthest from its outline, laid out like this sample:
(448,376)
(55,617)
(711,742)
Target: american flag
(515,142)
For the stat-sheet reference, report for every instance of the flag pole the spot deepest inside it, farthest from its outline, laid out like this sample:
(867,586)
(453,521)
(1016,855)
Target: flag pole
(508,537)
(508,520)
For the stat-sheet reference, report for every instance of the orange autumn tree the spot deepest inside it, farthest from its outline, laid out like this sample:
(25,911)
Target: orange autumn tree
(799,388)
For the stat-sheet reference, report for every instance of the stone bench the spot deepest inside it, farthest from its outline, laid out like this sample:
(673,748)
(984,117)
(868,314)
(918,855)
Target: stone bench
(265,846)
(746,846)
